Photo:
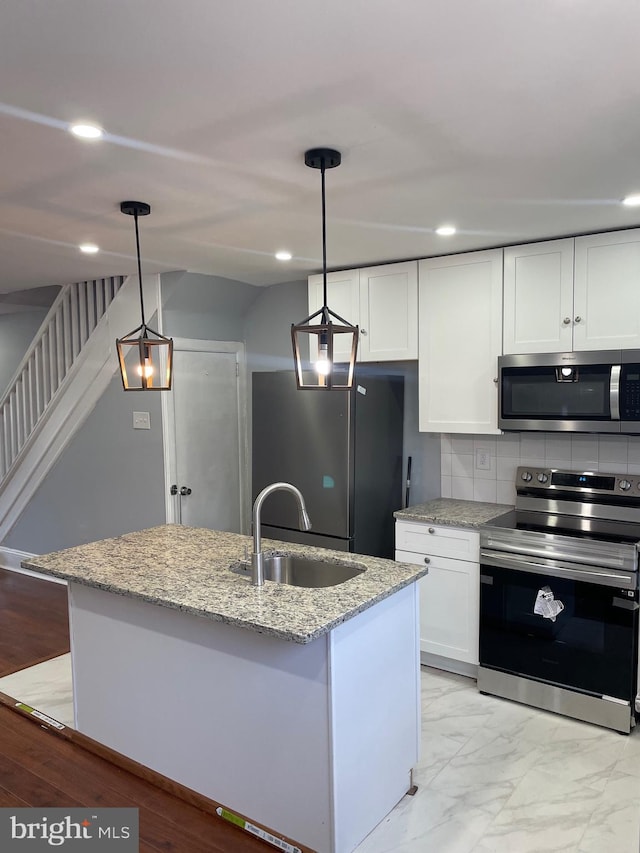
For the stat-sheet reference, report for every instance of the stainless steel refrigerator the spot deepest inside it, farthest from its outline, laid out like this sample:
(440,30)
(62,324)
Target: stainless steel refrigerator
(342,449)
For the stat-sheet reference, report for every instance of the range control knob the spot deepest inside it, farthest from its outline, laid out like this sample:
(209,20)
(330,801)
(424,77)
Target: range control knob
(526,476)
(625,485)
(542,477)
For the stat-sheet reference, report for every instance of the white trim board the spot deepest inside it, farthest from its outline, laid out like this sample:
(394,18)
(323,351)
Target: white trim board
(10,560)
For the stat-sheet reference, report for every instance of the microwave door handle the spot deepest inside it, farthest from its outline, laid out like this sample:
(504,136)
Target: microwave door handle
(614,392)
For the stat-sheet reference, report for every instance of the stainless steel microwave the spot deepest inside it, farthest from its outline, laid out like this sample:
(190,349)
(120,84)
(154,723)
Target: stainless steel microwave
(570,391)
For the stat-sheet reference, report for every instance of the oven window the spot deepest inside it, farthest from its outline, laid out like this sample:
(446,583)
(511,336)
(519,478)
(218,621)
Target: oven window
(591,645)
(534,392)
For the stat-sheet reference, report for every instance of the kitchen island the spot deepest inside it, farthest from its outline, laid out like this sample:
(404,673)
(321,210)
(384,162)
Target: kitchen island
(297,707)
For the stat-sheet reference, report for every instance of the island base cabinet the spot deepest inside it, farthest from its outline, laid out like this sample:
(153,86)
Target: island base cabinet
(315,741)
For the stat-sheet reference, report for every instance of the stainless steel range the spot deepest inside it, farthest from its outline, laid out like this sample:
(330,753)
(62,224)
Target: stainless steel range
(559,596)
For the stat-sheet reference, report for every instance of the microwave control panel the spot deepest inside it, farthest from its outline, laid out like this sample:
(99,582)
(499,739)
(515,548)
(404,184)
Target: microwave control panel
(630,392)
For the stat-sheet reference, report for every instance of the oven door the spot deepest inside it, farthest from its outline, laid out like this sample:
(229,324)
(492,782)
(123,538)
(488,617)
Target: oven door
(577,631)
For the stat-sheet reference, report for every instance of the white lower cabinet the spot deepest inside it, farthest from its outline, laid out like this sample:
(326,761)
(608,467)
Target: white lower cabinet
(449,594)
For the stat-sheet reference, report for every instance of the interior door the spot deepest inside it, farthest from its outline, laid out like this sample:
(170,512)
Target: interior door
(207,436)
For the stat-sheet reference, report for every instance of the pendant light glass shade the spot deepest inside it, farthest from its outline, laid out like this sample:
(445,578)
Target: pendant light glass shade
(324,333)
(145,356)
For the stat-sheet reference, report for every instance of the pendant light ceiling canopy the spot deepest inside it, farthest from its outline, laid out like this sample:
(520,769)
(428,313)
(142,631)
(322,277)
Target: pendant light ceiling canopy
(145,355)
(324,329)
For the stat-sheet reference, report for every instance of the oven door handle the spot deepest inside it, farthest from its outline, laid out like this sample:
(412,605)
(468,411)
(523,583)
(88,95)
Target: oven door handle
(608,559)
(523,564)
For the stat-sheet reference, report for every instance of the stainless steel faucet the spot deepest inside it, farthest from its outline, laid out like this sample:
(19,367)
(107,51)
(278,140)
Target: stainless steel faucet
(257,557)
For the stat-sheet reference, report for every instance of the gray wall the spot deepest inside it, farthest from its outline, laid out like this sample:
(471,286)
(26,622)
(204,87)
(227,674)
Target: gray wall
(205,307)
(109,480)
(267,330)
(16,333)
(423,447)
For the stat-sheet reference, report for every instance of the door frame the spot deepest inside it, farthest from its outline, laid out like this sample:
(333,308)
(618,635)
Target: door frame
(169,425)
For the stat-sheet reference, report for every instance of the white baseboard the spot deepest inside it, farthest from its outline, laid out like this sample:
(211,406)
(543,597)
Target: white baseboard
(10,559)
(449,664)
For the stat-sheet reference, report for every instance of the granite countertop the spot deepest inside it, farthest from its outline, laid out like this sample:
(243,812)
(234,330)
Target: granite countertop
(188,569)
(455,513)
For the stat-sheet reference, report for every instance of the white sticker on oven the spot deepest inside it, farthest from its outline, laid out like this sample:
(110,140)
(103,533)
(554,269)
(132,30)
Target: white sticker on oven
(546,605)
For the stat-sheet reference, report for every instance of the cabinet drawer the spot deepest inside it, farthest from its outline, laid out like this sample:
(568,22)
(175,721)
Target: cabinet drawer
(457,543)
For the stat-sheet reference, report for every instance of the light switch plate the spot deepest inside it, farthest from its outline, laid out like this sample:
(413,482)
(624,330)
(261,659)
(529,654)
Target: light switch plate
(141,420)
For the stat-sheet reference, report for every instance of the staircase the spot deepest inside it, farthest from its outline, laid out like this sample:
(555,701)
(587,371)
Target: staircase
(58,382)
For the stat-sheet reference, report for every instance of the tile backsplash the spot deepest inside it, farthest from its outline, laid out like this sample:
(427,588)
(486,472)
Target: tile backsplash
(500,455)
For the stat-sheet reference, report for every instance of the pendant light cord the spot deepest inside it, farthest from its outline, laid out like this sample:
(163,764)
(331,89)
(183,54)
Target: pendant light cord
(139,270)
(324,239)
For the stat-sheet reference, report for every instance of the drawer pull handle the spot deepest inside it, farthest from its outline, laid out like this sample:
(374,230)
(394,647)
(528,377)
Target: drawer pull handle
(427,559)
(431,530)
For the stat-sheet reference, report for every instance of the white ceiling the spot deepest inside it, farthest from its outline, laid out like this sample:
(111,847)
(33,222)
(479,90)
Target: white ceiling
(515,120)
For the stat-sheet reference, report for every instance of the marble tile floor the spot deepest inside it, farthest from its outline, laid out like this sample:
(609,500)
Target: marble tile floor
(499,777)
(494,776)
(45,686)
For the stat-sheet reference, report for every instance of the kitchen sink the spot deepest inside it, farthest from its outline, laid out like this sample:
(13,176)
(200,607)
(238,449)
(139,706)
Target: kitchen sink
(301,571)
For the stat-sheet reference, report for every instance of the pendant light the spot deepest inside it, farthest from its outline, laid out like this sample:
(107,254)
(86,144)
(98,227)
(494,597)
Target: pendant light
(145,355)
(322,334)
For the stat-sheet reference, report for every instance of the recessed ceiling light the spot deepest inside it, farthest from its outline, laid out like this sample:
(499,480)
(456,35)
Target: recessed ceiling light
(445,230)
(86,131)
(89,248)
(283,255)
(632,200)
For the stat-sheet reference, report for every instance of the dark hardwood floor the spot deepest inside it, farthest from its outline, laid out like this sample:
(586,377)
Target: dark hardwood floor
(41,766)
(34,622)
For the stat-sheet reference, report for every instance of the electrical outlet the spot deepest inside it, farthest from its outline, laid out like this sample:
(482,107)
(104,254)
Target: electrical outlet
(141,420)
(483,459)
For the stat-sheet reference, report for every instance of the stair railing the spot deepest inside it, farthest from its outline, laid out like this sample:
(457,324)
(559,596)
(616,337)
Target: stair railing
(73,316)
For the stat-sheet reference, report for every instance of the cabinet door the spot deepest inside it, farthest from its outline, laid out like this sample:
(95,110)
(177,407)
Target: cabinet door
(449,603)
(389,312)
(538,297)
(342,298)
(460,321)
(607,291)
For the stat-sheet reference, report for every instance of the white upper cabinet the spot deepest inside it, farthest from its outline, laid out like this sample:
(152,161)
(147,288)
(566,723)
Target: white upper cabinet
(574,294)
(607,291)
(460,299)
(343,298)
(382,300)
(389,312)
(538,297)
